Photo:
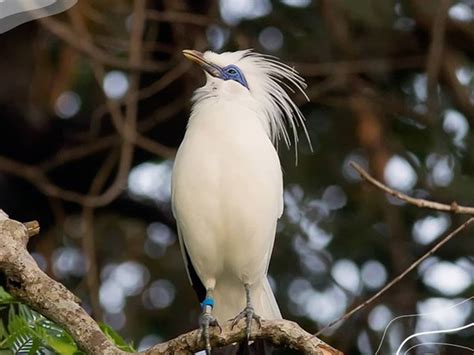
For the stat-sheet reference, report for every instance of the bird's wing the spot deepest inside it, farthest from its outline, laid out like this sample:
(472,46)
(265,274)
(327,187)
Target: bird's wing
(192,275)
(268,255)
(184,253)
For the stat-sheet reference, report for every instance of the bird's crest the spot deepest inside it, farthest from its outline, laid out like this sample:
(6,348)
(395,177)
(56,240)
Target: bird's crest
(269,81)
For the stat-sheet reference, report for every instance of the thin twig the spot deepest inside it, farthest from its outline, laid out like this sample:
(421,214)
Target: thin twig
(36,175)
(129,133)
(97,144)
(419,202)
(399,277)
(168,78)
(125,126)
(435,53)
(95,53)
(119,44)
(374,65)
(463,35)
(88,242)
(452,61)
(76,152)
(181,17)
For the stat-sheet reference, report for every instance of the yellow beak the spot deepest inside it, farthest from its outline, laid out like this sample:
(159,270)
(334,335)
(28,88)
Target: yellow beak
(198,58)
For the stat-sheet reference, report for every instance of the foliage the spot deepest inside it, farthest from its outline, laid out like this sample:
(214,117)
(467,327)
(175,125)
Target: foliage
(28,332)
(116,338)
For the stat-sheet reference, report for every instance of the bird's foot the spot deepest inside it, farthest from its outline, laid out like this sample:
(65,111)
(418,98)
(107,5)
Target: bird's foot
(249,314)
(206,320)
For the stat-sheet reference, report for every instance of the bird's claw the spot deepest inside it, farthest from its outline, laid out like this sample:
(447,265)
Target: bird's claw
(206,320)
(249,314)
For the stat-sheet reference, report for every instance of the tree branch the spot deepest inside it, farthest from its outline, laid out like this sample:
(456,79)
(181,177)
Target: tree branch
(452,61)
(182,17)
(373,65)
(88,240)
(435,54)
(29,284)
(127,126)
(454,207)
(88,48)
(278,332)
(401,276)
(419,202)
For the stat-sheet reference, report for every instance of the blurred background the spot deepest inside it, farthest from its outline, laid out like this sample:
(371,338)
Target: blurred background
(391,87)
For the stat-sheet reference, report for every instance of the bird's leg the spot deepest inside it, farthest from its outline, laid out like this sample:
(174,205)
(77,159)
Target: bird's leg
(206,320)
(248,313)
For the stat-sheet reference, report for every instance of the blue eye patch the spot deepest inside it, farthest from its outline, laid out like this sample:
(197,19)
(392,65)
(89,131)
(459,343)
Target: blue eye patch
(232,72)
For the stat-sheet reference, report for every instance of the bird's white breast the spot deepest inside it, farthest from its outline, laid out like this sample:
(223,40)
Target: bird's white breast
(227,191)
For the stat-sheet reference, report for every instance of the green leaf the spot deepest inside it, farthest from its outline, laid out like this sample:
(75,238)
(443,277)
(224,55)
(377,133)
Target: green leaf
(116,338)
(35,346)
(21,343)
(62,346)
(28,332)
(3,331)
(5,297)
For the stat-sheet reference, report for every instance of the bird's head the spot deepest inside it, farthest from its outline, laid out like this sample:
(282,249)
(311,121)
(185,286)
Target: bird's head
(261,81)
(219,67)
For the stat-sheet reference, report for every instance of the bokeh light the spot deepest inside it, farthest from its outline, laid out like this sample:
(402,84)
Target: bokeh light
(426,230)
(399,174)
(296,3)
(234,11)
(447,278)
(379,317)
(151,181)
(455,124)
(271,39)
(67,104)
(461,12)
(373,274)
(115,84)
(346,273)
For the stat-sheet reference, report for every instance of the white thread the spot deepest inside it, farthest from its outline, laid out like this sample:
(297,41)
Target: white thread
(438,343)
(416,315)
(452,330)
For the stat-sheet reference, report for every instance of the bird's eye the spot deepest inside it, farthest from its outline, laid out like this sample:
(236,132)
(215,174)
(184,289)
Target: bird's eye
(233,73)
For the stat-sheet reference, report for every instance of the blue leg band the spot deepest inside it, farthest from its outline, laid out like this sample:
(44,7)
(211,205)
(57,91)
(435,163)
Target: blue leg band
(207,302)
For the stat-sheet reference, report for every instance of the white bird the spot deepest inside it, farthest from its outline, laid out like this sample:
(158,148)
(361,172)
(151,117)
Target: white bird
(227,186)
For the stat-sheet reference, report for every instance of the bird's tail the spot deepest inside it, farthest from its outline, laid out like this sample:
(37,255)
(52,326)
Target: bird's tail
(264,301)
(230,300)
